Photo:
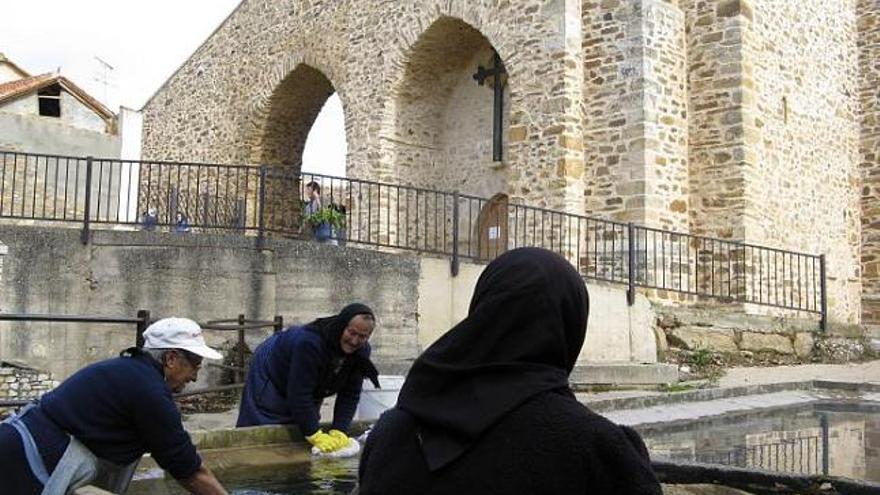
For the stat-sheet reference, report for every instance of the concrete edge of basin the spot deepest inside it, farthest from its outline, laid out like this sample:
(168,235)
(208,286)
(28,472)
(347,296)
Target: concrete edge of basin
(258,436)
(700,395)
(679,473)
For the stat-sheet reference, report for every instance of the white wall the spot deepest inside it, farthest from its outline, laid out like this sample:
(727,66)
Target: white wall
(75,114)
(131,124)
(35,134)
(616,332)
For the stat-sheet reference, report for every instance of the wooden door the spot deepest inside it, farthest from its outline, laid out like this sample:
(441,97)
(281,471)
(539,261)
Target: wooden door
(493,227)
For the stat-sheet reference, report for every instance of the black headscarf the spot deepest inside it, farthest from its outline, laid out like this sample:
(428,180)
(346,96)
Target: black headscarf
(331,329)
(522,336)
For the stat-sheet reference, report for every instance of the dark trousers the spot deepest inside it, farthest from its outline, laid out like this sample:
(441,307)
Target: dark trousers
(14,469)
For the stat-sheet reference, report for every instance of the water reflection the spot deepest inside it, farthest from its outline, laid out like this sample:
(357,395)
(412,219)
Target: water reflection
(840,438)
(320,477)
(835,438)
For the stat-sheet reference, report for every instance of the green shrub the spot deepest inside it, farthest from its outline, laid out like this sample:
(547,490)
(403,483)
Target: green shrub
(327,215)
(701,357)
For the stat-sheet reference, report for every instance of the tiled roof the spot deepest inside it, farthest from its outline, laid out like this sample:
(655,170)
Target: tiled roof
(12,89)
(15,89)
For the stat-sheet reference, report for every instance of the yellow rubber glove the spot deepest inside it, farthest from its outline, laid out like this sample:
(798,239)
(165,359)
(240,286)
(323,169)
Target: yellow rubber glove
(324,442)
(342,437)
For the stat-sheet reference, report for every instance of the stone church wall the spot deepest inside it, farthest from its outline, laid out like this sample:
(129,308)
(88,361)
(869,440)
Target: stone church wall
(773,132)
(869,98)
(365,49)
(803,189)
(718,97)
(736,119)
(636,112)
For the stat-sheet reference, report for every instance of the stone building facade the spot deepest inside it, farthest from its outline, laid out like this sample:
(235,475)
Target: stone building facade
(868,23)
(746,120)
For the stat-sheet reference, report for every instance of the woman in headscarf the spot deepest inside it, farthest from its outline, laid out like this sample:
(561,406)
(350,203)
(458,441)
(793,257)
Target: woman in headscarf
(294,370)
(488,409)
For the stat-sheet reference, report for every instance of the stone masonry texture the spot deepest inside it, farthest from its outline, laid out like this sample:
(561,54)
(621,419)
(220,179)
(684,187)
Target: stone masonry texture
(752,121)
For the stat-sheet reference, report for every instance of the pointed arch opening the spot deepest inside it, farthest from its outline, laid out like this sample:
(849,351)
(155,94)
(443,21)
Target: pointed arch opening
(303,108)
(445,112)
(293,109)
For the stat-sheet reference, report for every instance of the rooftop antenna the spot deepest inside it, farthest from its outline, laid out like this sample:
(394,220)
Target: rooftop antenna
(104,78)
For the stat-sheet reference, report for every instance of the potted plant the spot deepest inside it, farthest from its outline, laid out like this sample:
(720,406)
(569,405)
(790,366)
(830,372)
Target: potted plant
(324,221)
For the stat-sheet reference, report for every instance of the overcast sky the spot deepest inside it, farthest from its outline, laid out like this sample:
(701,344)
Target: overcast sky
(144,42)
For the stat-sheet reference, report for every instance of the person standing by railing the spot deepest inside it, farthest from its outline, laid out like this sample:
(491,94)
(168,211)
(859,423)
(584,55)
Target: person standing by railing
(95,427)
(312,212)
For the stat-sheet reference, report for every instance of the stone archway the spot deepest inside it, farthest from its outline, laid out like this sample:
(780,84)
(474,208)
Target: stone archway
(443,118)
(292,109)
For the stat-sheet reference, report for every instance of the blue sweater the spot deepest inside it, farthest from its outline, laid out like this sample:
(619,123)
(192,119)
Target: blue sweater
(288,378)
(120,409)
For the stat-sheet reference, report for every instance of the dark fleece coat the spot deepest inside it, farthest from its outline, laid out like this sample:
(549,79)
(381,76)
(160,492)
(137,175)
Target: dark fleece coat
(487,408)
(549,445)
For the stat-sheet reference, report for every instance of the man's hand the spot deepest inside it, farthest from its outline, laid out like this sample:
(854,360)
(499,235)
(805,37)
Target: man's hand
(203,483)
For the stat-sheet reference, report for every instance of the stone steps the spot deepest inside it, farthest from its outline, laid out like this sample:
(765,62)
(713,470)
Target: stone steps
(624,374)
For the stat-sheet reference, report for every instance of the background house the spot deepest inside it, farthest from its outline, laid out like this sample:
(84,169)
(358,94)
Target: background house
(50,114)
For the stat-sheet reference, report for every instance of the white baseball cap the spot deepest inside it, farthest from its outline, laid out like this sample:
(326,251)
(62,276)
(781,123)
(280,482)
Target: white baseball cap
(178,333)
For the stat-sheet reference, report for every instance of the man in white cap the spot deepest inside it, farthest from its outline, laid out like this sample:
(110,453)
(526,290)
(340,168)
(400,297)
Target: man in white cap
(95,427)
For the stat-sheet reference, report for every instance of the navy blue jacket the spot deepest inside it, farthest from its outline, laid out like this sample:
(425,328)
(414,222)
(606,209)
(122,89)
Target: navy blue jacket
(290,374)
(122,408)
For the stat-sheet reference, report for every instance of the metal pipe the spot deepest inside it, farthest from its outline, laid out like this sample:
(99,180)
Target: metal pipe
(84,236)
(455,234)
(631,261)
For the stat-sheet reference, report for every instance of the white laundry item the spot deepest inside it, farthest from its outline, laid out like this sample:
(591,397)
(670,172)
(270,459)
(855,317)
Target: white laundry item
(363,438)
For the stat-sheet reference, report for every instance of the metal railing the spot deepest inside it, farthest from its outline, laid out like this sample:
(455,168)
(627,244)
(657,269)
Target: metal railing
(143,319)
(265,200)
(239,325)
(802,455)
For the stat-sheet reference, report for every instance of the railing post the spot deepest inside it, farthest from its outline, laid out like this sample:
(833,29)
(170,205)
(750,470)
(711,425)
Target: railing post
(206,209)
(455,261)
(279,324)
(826,458)
(143,317)
(823,295)
(631,264)
(261,219)
(239,375)
(85,234)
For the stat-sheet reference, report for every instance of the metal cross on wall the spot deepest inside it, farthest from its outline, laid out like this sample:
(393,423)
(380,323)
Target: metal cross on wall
(495,73)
